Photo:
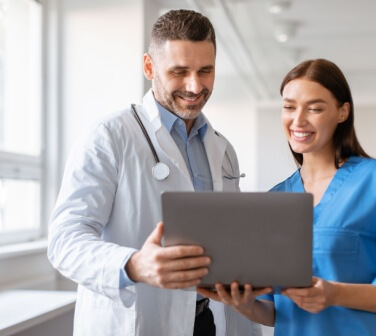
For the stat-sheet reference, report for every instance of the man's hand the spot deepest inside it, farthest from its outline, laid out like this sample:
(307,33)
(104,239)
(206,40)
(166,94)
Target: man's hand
(173,267)
(242,302)
(245,302)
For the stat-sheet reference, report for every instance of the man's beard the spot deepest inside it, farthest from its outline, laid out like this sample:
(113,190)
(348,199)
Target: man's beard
(172,102)
(190,111)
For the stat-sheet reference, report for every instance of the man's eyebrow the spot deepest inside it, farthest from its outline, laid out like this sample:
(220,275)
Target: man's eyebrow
(182,67)
(178,67)
(207,67)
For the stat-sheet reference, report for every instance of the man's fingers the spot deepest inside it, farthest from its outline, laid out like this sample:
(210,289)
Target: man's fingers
(262,291)
(235,292)
(182,251)
(183,276)
(182,279)
(208,293)
(223,293)
(184,264)
(182,285)
(156,236)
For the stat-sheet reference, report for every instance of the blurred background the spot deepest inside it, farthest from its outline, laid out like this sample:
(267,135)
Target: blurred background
(66,63)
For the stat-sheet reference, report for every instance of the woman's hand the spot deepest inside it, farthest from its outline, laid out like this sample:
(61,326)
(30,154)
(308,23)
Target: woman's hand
(242,301)
(312,299)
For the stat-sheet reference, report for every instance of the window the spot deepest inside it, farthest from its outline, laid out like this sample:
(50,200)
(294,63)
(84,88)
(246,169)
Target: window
(21,159)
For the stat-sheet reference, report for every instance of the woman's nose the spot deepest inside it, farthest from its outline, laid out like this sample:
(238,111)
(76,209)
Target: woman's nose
(299,117)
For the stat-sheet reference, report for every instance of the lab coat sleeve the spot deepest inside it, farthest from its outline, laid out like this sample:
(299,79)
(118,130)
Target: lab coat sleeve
(82,211)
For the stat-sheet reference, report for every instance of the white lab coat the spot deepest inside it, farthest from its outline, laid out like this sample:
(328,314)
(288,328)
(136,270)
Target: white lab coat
(108,204)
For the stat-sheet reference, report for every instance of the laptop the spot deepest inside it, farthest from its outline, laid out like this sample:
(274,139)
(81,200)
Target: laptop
(261,238)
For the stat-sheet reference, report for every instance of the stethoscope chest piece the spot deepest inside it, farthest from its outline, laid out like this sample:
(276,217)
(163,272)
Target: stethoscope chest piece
(160,171)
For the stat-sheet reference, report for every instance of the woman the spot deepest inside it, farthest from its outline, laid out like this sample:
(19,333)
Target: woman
(318,120)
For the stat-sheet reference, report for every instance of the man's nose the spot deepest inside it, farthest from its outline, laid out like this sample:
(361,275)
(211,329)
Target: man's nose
(193,84)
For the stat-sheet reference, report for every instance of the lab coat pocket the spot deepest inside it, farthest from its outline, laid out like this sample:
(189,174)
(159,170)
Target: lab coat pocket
(335,253)
(97,315)
(229,184)
(230,179)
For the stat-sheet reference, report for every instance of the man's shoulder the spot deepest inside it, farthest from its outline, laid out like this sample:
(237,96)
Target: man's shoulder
(116,127)
(115,119)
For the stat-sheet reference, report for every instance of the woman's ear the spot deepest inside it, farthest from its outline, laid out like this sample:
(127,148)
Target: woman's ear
(344,112)
(148,67)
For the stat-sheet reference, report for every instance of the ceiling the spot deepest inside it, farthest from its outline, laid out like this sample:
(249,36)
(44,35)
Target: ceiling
(343,31)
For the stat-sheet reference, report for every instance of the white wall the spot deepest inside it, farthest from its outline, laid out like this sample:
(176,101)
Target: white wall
(231,112)
(274,160)
(102,47)
(365,121)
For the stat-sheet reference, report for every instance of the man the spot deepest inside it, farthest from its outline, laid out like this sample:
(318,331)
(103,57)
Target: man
(103,232)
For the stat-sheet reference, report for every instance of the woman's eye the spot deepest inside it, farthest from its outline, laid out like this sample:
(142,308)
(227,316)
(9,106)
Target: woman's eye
(315,109)
(288,107)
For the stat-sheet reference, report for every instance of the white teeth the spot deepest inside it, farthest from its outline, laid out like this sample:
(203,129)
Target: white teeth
(301,135)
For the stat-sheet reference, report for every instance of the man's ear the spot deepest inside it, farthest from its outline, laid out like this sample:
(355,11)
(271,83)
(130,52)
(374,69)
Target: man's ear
(148,67)
(344,112)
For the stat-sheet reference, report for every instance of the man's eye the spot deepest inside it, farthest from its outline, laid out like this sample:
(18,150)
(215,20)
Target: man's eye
(204,72)
(288,107)
(179,73)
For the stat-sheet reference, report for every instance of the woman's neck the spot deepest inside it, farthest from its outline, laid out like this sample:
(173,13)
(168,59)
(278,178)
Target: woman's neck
(317,172)
(317,167)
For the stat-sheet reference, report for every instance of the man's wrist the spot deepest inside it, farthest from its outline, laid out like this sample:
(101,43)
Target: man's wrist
(130,267)
(125,280)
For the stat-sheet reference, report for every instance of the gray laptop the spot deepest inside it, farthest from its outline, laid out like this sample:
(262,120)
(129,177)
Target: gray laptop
(260,238)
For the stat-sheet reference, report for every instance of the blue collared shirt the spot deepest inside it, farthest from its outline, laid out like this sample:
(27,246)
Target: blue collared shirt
(193,151)
(191,147)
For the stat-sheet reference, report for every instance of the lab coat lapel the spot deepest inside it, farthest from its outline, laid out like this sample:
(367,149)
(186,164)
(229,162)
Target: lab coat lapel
(215,147)
(164,139)
(171,150)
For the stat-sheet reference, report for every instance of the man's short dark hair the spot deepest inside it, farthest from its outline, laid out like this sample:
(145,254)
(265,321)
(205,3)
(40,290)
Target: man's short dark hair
(181,24)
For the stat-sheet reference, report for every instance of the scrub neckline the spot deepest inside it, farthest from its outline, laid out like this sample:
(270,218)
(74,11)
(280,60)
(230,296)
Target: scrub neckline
(335,184)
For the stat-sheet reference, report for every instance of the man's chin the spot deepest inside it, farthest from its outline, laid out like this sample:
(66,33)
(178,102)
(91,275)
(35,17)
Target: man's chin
(188,113)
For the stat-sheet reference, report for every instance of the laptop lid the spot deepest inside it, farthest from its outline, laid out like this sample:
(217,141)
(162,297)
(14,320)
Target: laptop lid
(261,238)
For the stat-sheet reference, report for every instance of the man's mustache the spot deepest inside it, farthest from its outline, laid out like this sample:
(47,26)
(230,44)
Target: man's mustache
(188,94)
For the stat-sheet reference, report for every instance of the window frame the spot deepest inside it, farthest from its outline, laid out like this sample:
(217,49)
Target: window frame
(27,167)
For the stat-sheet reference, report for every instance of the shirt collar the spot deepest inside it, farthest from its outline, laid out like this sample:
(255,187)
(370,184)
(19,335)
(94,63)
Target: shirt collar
(169,120)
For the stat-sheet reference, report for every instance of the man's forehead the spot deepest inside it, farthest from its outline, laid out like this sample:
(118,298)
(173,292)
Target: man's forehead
(188,47)
(184,53)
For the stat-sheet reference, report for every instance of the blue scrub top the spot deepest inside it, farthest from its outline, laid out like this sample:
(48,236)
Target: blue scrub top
(344,250)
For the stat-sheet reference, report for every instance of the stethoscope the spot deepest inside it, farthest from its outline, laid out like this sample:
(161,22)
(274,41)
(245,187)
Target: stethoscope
(161,170)
(226,174)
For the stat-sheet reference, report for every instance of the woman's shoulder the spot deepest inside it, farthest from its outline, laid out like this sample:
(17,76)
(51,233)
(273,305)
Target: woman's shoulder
(363,164)
(286,184)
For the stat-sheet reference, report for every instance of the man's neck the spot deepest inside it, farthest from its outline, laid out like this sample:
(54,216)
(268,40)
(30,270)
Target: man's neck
(189,124)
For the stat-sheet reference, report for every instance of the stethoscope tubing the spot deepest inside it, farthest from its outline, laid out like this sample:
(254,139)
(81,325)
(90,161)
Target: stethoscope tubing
(156,158)
(160,169)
